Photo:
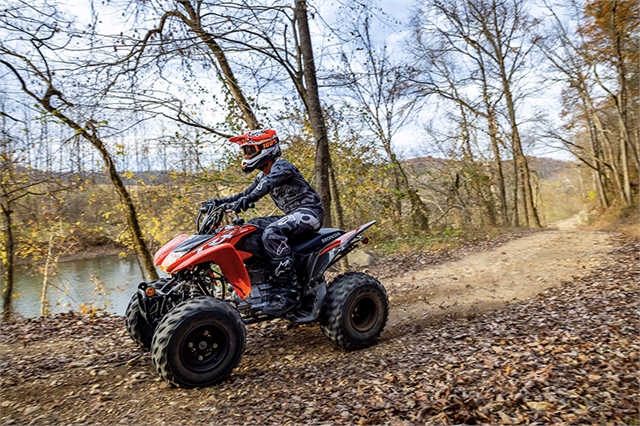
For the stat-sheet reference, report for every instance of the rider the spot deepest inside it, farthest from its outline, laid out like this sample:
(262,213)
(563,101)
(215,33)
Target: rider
(291,193)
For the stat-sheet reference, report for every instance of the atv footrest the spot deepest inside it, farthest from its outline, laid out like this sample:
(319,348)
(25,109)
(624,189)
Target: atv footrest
(297,319)
(304,317)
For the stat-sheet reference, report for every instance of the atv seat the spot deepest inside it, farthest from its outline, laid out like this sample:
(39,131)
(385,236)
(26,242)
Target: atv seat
(317,240)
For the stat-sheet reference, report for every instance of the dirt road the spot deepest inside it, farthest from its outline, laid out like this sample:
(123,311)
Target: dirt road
(77,370)
(482,281)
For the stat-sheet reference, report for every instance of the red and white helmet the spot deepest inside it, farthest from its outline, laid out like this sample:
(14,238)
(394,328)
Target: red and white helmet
(258,147)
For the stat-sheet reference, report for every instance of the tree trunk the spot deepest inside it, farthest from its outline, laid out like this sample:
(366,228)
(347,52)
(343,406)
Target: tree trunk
(502,191)
(44,310)
(624,163)
(335,196)
(7,262)
(398,200)
(531,213)
(516,199)
(125,198)
(316,118)
(599,174)
(230,80)
(419,211)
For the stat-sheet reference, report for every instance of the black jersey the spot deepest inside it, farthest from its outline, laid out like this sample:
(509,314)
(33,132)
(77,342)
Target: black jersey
(288,189)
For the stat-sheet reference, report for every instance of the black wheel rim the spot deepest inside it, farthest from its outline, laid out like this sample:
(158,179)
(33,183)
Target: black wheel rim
(364,314)
(204,348)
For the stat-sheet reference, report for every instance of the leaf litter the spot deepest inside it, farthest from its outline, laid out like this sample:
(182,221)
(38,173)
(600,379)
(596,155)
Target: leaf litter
(568,355)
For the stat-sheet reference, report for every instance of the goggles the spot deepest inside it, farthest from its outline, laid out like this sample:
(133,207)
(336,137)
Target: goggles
(252,150)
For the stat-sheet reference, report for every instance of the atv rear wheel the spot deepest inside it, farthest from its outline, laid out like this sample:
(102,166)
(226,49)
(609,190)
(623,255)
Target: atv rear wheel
(199,343)
(139,329)
(355,310)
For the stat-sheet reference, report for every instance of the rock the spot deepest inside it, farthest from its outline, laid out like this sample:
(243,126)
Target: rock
(41,420)
(30,410)
(139,375)
(360,258)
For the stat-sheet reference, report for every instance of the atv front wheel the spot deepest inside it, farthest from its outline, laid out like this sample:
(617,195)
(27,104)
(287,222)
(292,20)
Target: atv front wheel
(355,310)
(139,328)
(199,343)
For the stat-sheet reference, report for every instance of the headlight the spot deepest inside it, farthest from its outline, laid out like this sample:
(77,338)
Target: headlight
(171,258)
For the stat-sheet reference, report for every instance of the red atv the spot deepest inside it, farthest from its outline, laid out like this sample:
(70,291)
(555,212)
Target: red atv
(194,321)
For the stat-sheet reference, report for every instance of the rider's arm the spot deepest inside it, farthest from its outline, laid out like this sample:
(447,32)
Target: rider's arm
(244,193)
(280,171)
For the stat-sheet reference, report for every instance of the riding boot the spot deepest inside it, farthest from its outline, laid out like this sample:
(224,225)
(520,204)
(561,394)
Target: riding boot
(282,268)
(284,277)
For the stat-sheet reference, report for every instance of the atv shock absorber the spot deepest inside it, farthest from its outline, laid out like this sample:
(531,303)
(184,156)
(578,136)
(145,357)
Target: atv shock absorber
(194,290)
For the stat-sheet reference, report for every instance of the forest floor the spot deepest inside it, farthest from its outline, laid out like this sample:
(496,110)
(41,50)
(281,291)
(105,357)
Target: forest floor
(537,327)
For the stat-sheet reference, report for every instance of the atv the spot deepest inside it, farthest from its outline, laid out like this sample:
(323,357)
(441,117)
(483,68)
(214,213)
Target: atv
(194,321)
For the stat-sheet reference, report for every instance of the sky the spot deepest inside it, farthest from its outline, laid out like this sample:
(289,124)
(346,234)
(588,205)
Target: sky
(408,140)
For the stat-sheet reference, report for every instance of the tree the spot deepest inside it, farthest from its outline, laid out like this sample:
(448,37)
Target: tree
(17,184)
(490,39)
(594,61)
(444,78)
(259,36)
(311,99)
(610,41)
(380,93)
(35,74)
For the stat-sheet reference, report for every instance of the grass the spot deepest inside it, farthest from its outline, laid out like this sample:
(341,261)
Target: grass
(435,240)
(625,220)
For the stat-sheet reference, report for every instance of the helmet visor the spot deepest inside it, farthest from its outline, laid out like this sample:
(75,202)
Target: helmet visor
(251,150)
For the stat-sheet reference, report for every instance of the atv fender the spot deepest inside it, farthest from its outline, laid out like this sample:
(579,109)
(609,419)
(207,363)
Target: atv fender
(168,248)
(335,250)
(227,258)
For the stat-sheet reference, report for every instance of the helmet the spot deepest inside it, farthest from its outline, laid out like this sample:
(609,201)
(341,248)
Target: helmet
(258,147)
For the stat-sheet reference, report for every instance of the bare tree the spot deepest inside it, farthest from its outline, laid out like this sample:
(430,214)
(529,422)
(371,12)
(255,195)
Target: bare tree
(490,38)
(32,64)
(442,76)
(594,60)
(18,184)
(264,38)
(380,94)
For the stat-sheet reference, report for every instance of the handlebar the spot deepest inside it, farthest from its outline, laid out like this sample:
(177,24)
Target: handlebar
(213,216)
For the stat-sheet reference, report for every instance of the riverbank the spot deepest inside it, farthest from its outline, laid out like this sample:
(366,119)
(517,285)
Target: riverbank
(88,252)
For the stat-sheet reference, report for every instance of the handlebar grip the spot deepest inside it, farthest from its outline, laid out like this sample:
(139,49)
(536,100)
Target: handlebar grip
(205,206)
(252,205)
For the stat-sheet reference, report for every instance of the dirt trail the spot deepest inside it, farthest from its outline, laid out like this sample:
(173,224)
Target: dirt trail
(481,281)
(87,371)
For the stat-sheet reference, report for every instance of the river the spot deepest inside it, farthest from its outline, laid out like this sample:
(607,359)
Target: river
(106,282)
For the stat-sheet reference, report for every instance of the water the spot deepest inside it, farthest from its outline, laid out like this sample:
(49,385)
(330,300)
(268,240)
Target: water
(105,282)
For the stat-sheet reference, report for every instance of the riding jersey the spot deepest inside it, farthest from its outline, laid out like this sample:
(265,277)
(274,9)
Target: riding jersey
(288,189)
